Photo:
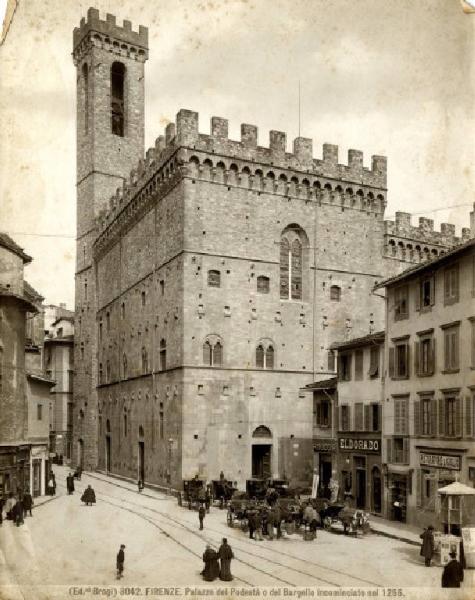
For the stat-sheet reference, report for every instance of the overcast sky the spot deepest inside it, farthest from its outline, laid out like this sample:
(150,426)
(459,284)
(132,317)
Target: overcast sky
(393,78)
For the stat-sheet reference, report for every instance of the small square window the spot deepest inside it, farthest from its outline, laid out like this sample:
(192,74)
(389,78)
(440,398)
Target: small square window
(263,284)
(214,278)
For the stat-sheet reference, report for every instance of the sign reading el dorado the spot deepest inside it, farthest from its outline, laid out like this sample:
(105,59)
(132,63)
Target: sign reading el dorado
(351,444)
(440,461)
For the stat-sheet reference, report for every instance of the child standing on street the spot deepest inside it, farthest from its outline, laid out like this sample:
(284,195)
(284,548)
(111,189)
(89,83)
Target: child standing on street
(120,561)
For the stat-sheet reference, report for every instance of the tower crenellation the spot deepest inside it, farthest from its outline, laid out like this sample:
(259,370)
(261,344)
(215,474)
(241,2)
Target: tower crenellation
(108,35)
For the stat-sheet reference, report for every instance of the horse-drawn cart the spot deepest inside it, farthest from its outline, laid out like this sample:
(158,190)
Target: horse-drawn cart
(193,493)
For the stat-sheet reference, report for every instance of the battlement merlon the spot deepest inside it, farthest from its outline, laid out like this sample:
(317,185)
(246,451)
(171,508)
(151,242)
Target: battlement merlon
(186,133)
(109,30)
(402,227)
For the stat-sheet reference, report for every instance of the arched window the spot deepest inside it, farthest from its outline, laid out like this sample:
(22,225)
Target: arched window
(125,422)
(144,361)
(262,432)
(124,366)
(331,360)
(108,426)
(117,99)
(101,374)
(163,354)
(263,284)
(335,293)
(265,355)
(85,82)
(213,351)
(269,357)
(214,278)
(218,354)
(291,264)
(260,356)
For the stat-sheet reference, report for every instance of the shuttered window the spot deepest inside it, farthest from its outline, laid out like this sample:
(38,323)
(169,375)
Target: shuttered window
(452,415)
(424,356)
(367,417)
(399,361)
(374,362)
(469,416)
(359,416)
(344,367)
(451,285)
(358,365)
(401,303)
(401,416)
(451,348)
(345,417)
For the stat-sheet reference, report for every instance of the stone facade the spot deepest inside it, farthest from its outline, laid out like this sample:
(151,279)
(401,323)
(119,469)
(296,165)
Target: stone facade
(207,261)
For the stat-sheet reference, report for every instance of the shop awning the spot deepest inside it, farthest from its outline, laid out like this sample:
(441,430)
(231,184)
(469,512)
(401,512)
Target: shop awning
(457,489)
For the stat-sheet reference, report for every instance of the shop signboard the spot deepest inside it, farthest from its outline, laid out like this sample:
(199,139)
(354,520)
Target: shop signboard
(324,445)
(440,461)
(348,444)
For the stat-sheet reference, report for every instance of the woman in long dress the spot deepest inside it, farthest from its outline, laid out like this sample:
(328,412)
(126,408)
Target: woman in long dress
(225,555)
(211,570)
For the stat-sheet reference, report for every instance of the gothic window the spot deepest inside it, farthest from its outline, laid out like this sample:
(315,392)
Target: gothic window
(143,299)
(108,372)
(260,357)
(160,422)
(122,310)
(144,361)
(163,354)
(117,99)
(85,80)
(263,284)
(291,263)
(101,374)
(124,366)
(108,321)
(265,355)
(125,423)
(214,278)
(213,352)
(335,293)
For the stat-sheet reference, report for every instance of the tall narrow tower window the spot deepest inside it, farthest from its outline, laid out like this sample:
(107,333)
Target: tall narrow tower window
(85,81)
(117,98)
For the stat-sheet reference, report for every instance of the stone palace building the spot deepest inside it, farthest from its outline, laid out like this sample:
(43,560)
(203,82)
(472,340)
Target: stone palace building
(212,277)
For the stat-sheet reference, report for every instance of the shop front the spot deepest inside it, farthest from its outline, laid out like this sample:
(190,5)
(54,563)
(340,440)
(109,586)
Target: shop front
(39,469)
(359,466)
(14,468)
(325,464)
(435,468)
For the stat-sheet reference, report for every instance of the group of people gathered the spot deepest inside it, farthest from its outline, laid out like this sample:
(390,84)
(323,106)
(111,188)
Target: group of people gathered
(218,563)
(452,575)
(16,507)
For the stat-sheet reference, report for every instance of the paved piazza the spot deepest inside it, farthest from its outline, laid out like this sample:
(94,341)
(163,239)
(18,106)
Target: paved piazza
(68,550)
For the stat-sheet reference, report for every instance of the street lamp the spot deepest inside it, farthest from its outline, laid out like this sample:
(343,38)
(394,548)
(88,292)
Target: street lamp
(170,446)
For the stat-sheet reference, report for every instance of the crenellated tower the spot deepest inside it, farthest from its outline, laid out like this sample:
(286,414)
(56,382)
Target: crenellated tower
(109,62)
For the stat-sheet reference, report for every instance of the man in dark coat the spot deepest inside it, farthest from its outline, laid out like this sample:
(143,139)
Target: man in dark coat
(201,515)
(70,483)
(18,513)
(251,518)
(210,559)
(120,561)
(89,496)
(27,503)
(225,555)
(452,575)
(427,546)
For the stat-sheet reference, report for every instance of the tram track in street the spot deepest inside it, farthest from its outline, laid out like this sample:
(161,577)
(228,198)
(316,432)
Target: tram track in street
(180,524)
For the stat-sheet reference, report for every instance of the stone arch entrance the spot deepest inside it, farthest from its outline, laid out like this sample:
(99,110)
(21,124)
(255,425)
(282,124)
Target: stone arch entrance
(262,452)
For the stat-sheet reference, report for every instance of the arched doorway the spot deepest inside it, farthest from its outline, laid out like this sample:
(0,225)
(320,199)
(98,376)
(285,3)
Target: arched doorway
(376,488)
(262,452)
(80,460)
(108,445)
(141,462)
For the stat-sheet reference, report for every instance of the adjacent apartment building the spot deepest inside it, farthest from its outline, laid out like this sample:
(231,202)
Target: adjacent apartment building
(429,393)
(359,398)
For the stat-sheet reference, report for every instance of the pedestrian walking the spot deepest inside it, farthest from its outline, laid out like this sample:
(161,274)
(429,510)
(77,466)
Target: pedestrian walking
(225,555)
(428,545)
(201,515)
(211,569)
(452,575)
(70,484)
(120,561)
(9,506)
(18,513)
(140,485)
(251,519)
(50,488)
(27,503)
(89,496)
